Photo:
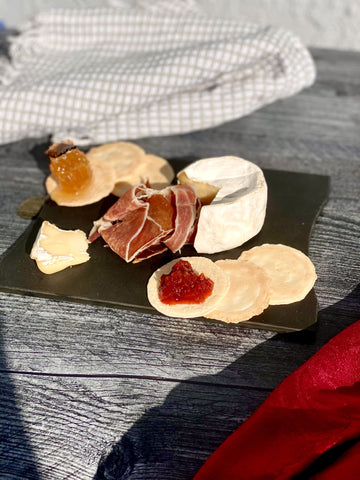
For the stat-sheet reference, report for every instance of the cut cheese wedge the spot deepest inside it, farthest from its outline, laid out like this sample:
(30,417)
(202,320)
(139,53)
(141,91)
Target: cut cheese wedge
(237,212)
(55,249)
(205,192)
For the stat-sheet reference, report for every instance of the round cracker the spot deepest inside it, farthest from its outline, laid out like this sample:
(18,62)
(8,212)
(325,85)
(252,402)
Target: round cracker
(199,265)
(248,295)
(157,171)
(121,187)
(101,185)
(154,169)
(125,158)
(292,274)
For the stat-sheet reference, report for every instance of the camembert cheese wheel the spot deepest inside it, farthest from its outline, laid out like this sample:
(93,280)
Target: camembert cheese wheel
(237,212)
(55,249)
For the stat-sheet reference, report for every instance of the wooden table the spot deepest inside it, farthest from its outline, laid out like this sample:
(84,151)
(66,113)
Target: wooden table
(83,386)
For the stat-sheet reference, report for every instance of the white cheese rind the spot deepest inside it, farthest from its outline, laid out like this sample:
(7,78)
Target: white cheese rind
(55,249)
(238,211)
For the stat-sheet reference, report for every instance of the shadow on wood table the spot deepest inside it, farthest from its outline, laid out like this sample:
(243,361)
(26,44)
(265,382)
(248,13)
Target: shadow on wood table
(165,445)
(17,460)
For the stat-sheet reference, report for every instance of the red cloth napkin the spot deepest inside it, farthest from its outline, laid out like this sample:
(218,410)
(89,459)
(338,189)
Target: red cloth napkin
(314,409)
(346,467)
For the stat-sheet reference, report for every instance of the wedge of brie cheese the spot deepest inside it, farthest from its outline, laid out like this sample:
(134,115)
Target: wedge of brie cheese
(237,212)
(55,249)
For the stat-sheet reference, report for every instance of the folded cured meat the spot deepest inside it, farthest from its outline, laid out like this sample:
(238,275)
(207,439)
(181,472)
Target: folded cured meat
(145,222)
(187,207)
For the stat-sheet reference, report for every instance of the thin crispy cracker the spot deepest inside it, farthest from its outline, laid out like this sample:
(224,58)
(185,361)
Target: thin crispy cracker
(157,171)
(248,295)
(121,187)
(126,158)
(153,169)
(200,265)
(291,272)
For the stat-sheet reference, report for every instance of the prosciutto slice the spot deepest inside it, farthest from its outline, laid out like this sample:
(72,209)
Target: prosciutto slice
(121,235)
(145,222)
(128,203)
(186,212)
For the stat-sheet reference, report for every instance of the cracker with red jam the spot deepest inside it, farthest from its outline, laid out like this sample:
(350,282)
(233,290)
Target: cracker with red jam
(188,287)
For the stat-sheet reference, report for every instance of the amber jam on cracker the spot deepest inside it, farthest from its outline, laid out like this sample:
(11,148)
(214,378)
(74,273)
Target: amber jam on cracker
(183,285)
(70,167)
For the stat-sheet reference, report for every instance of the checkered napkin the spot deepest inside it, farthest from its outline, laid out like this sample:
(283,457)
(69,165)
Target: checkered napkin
(104,74)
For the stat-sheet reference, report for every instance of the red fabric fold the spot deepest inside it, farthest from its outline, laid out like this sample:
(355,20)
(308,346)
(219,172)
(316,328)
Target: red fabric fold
(314,409)
(346,467)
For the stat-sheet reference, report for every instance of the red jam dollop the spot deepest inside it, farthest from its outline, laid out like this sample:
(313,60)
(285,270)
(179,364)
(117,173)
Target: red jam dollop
(183,285)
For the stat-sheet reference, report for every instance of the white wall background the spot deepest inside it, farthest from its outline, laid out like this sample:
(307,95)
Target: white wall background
(319,23)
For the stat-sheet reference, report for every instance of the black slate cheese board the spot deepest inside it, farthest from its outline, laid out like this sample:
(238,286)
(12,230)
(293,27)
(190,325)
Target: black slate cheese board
(294,202)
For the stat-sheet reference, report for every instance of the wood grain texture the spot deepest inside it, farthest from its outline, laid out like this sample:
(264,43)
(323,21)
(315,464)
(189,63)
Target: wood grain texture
(78,421)
(86,389)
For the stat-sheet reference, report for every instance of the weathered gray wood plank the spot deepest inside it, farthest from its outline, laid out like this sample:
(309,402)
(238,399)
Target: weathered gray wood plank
(65,339)
(161,430)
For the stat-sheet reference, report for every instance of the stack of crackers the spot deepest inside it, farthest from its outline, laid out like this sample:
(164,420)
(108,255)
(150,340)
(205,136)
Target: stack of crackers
(270,274)
(116,167)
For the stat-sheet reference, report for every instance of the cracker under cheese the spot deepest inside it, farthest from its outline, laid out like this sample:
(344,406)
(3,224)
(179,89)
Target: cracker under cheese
(103,179)
(292,274)
(248,295)
(191,310)
(237,212)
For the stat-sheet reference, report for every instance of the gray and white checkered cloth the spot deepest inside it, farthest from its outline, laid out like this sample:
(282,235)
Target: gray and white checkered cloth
(105,74)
